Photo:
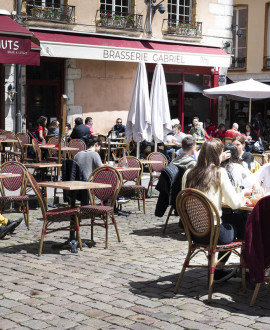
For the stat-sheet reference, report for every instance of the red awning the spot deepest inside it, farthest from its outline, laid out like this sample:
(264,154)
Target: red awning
(116,49)
(15,44)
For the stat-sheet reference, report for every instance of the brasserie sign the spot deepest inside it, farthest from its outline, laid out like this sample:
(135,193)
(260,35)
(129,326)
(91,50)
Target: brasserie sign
(13,46)
(96,52)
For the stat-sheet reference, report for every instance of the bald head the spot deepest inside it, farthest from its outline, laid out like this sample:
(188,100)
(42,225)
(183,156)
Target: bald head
(235,126)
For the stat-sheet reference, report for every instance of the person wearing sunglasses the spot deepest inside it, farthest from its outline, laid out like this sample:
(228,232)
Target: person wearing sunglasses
(119,128)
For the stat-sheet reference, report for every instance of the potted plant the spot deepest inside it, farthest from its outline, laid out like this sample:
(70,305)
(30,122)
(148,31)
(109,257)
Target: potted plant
(129,19)
(106,19)
(117,20)
(187,29)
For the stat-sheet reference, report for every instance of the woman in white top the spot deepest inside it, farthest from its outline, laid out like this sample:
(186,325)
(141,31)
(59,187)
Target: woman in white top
(208,177)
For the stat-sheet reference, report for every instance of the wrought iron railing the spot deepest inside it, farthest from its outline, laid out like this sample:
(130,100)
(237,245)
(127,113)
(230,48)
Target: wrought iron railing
(238,63)
(182,28)
(118,20)
(266,63)
(58,13)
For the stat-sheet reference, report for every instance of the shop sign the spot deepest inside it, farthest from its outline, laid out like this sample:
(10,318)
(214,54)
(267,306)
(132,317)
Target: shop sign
(12,47)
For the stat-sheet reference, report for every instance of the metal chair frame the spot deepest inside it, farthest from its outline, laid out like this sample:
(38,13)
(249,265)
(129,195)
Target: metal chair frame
(14,184)
(113,177)
(133,176)
(69,214)
(198,216)
(155,169)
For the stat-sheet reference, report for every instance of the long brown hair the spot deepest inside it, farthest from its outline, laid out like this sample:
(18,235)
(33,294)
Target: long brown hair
(206,172)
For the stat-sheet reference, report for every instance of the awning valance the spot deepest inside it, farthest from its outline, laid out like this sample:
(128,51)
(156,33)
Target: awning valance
(15,43)
(66,45)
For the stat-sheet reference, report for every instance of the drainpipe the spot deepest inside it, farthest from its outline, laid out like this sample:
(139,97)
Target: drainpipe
(19,82)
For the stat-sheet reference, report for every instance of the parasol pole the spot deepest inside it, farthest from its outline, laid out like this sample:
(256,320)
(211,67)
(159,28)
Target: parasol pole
(138,150)
(249,111)
(62,127)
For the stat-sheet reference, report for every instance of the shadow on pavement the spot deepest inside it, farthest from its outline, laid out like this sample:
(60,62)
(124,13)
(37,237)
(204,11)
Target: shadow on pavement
(228,296)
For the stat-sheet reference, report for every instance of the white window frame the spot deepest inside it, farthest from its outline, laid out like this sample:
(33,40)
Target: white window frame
(104,2)
(236,11)
(43,3)
(180,17)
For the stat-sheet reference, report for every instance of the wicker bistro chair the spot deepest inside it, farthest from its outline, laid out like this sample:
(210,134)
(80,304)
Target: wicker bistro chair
(9,145)
(133,176)
(197,213)
(260,158)
(76,143)
(10,185)
(53,153)
(69,215)
(109,175)
(227,140)
(155,169)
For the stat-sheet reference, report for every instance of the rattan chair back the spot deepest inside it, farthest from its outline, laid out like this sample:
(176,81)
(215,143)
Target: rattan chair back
(198,215)
(108,175)
(76,143)
(54,140)
(15,183)
(133,175)
(157,156)
(37,150)
(260,158)
(23,137)
(227,140)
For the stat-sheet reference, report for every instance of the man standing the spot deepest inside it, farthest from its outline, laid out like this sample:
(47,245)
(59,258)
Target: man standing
(80,131)
(231,133)
(197,131)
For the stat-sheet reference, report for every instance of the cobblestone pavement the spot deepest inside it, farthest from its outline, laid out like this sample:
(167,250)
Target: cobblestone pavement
(128,286)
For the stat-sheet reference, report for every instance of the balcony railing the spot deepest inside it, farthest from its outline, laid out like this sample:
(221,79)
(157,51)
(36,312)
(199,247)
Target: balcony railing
(186,29)
(238,63)
(117,20)
(55,13)
(266,63)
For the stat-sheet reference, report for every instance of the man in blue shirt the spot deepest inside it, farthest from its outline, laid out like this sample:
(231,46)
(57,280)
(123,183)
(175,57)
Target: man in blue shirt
(119,128)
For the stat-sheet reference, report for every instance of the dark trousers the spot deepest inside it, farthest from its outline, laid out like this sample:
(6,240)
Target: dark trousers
(232,227)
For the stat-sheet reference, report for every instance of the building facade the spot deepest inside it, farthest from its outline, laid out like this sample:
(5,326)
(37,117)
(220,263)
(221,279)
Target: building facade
(251,54)
(90,51)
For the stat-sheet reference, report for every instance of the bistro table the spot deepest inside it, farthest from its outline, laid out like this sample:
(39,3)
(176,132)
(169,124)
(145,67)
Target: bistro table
(145,161)
(8,175)
(243,208)
(72,186)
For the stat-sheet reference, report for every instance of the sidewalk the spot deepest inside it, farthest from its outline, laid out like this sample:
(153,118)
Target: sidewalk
(127,286)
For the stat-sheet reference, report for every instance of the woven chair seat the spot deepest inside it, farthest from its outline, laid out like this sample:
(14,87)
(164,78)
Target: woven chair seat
(62,212)
(132,187)
(96,209)
(223,246)
(13,198)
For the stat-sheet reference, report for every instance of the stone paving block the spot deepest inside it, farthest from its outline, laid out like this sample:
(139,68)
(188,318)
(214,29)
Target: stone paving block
(229,325)
(30,311)
(7,324)
(96,313)
(141,326)
(9,303)
(119,321)
(15,296)
(96,323)
(148,303)
(166,325)
(4,311)
(241,320)
(35,324)
(143,319)
(17,317)
(53,309)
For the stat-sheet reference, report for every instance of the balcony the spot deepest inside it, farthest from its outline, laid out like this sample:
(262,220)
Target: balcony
(119,21)
(266,62)
(59,13)
(238,63)
(185,29)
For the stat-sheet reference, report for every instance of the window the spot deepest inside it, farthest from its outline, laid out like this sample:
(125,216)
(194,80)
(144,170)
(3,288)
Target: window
(239,43)
(267,36)
(180,10)
(119,6)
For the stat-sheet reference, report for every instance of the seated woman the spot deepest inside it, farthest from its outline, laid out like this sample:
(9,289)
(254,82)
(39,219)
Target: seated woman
(208,177)
(251,135)
(41,130)
(240,143)
(54,128)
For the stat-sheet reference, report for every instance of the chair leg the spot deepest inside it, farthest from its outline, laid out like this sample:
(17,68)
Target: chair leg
(43,233)
(143,201)
(116,228)
(167,220)
(211,277)
(107,229)
(256,291)
(77,228)
(138,199)
(92,229)
(182,271)
(242,262)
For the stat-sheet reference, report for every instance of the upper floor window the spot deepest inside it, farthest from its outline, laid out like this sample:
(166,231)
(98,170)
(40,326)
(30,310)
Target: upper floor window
(267,39)
(180,10)
(120,6)
(239,42)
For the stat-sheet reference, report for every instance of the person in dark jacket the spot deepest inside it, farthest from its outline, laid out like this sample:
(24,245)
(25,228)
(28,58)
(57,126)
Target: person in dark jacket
(80,131)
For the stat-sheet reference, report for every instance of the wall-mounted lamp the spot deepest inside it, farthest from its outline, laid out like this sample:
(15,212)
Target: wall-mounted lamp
(161,8)
(151,10)
(239,32)
(226,44)
(11,92)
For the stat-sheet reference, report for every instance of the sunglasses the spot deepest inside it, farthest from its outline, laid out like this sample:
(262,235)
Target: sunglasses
(119,122)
